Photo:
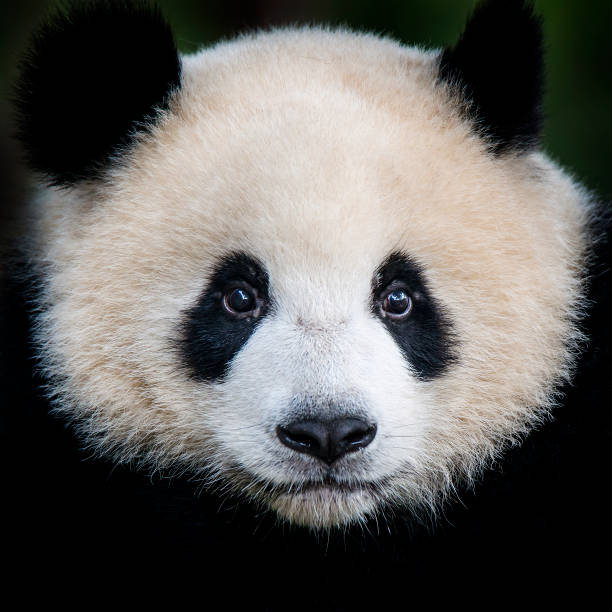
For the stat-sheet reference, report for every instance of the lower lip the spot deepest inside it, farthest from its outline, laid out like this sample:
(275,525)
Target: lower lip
(329,487)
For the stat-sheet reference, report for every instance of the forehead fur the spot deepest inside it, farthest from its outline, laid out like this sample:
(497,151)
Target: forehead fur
(319,153)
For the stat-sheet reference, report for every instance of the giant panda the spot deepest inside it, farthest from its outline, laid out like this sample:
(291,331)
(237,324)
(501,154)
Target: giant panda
(299,306)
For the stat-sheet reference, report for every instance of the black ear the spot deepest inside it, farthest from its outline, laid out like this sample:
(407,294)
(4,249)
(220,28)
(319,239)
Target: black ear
(497,65)
(94,75)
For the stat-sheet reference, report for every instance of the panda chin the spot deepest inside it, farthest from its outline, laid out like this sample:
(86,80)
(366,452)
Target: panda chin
(324,504)
(324,507)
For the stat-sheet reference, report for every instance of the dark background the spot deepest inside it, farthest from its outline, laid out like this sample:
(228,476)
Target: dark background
(578,128)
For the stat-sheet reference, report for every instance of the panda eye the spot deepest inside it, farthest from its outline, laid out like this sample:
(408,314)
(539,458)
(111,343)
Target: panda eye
(241,301)
(396,303)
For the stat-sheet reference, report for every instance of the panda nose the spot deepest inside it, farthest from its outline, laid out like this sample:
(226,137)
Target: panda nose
(328,440)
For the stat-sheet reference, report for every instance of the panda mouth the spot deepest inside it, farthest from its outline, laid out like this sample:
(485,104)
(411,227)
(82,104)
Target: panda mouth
(324,485)
(327,484)
(326,503)
(320,502)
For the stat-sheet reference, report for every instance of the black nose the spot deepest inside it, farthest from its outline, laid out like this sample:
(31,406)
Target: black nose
(328,440)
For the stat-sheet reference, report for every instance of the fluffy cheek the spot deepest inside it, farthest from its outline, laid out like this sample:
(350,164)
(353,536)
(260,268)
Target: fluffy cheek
(356,366)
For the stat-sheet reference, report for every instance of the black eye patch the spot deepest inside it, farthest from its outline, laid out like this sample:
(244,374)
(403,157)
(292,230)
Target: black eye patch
(425,336)
(210,335)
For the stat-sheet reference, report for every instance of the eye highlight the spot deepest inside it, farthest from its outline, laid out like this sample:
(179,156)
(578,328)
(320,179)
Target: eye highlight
(396,303)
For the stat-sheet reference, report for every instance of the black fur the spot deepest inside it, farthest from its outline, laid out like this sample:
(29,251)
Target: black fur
(425,336)
(211,337)
(93,76)
(497,66)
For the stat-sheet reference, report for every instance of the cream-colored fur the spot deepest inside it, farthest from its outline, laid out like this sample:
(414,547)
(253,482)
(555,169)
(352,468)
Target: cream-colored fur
(319,152)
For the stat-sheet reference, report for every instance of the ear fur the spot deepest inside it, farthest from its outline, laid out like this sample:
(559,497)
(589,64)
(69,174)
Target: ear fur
(497,66)
(94,74)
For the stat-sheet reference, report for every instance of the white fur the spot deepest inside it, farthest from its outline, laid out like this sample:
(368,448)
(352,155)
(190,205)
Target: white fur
(319,152)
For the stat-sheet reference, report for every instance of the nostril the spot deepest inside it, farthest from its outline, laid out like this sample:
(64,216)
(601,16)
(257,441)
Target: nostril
(303,439)
(304,436)
(354,438)
(352,434)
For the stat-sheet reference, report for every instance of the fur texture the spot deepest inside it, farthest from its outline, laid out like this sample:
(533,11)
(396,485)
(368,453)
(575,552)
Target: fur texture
(319,153)
(318,171)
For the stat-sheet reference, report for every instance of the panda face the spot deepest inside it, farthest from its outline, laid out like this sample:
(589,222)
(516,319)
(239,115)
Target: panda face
(310,281)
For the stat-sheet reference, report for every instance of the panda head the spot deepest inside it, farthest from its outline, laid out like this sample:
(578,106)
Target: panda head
(317,269)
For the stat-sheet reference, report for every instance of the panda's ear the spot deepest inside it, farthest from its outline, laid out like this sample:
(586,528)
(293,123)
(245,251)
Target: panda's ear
(95,75)
(497,67)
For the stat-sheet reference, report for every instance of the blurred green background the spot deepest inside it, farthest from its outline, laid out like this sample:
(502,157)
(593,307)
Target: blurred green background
(578,103)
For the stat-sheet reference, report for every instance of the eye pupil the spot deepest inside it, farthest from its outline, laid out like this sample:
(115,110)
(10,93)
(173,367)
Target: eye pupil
(398,303)
(240,300)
